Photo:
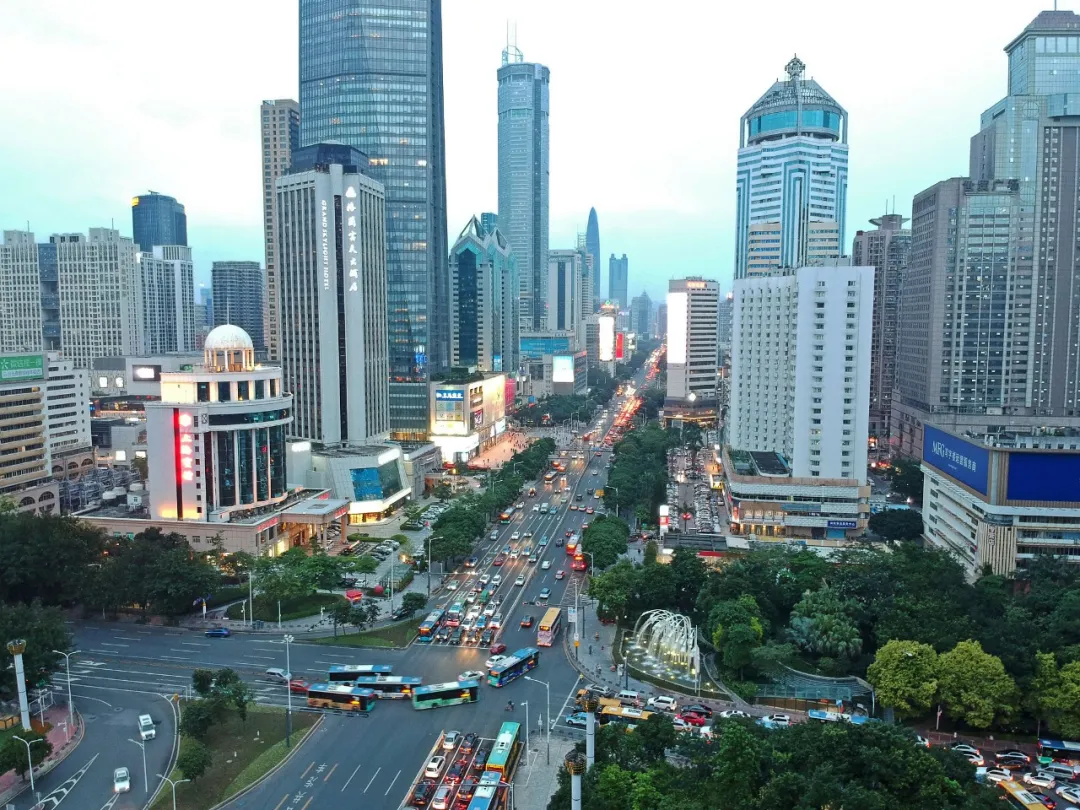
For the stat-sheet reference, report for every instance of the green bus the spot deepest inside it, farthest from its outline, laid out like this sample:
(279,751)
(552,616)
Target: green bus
(445,694)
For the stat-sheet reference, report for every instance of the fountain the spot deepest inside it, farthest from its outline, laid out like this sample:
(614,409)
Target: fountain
(664,644)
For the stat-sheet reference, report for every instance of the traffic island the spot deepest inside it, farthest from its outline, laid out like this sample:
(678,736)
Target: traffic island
(394,636)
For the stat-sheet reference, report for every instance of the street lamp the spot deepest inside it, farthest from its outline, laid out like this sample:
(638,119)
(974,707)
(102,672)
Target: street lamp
(174,783)
(29,759)
(287,640)
(525,703)
(145,777)
(547,732)
(616,489)
(592,563)
(67,671)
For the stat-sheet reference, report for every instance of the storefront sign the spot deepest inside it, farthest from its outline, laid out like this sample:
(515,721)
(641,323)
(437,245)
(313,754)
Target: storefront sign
(842,524)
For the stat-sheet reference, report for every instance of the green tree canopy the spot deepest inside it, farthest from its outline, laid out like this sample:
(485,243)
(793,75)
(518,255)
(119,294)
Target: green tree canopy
(44,630)
(904,675)
(897,524)
(974,686)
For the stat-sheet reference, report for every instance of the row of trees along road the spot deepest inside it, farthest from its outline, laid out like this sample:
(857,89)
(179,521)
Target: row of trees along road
(638,477)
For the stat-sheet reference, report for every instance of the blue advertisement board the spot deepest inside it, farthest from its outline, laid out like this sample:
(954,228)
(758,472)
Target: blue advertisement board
(1046,476)
(965,461)
(842,524)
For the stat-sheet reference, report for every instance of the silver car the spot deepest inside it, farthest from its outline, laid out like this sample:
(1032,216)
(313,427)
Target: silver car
(1040,779)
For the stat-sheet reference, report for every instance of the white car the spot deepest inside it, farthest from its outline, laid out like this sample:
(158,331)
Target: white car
(496,621)
(995,775)
(515,536)
(1040,779)
(494,661)
(489,609)
(121,780)
(485,579)
(681,725)
(967,750)
(434,766)
(730,713)
(545,565)
(1069,793)
(775,721)
(664,703)
(496,580)
(536,507)
(520,580)
(514,554)
(471,675)
(442,798)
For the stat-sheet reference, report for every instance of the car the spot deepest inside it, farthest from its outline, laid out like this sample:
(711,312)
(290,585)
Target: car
(451,738)
(496,621)
(435,766)
(146,727)
(775,721)
(1011,753)
(527,536)
(598,454)
(520,580)
(579,496)
(1069,793)
(573,507)
(470,598)
(466,788)
(584,525)
(545,565)
(560,574)
(515,537)
(681,725)
(580,719)
(514,554)
(521,505)
(595,472)
(733,713)
(536,507)
(470,675)
(456,772)
(441,800)
(921,742)
(218,632)
(1047,801)
(527,621)
(964,748)
(455,636)
(443,633)
(665,703)
(496,649)
(471,562)
(499,559)
(496,581)
(299,686)
(421,794)
(494,661)
(485,579)
(480,759)
(995,775)
(1040,779)
(693,718)
(507,549)
(558,542)
(121,780)
(1012,762)
(569,532)
(545,594)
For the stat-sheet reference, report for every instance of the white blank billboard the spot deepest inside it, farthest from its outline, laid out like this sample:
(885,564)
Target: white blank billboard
(677,306)
(562,369)
(607,338)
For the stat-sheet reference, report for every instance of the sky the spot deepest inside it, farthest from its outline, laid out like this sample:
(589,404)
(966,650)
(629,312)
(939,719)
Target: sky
(103,102)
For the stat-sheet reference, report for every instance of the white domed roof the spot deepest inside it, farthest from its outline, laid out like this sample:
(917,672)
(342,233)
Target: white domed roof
(227,337)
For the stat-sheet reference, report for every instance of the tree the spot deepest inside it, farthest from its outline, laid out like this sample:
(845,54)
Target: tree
(974,686)
(1057,692)
(655,736)
(44,630)
(322,571)
(203,681)
(907,479)
(904,675)
(772,657)
(443,491)
(651,553)
(241,696)
(44,557)
(366,564)
(340,614)
(412,602)
(197,719)
(614,786)
(736,629)
(606,540)
(737,773)
(821,623)
(194,760)
(360,616)
(13,754)
(897,524)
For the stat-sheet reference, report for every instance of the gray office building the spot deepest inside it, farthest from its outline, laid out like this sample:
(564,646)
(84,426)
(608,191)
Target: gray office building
(523,176)
(371,77)
(239,295)
(618,280)
(641,310)
(157,219)
(592,247)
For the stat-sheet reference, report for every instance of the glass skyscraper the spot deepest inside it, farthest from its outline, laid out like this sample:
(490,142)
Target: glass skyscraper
(157,219)
(371,77)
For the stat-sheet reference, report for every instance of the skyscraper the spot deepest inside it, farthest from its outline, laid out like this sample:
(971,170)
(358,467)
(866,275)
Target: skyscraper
(886,249)
(239,295)
(523,176)
(618,280)
(157,219)
(279,121)
(792,177)
(371,77)
(166,280)
(641,314)
(565,288)
(592,245)
(332,232)
(726,313)
(661,321)
(21,294)
(693,356)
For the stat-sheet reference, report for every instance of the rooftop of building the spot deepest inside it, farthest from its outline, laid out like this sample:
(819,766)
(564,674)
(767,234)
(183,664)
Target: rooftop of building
(795,92)
(352,450)
(1051,21)
(119,509)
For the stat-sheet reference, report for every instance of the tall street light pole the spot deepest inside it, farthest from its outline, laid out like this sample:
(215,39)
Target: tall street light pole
(288,639)
(145,776)
(174,783)
(67,671)
(29,759)
(547,732)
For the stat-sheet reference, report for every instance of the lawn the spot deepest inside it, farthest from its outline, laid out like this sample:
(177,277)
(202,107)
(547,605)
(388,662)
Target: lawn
(299,607)
(242,752)
(393,635)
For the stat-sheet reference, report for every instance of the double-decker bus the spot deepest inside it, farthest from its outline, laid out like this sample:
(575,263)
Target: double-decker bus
(340,696)
(506,516)
(347,673)
(445,694)
(1064,751)
(578,563)
(1016,795)
(501,758)
(454,614)
(514,667)
(623,714)
(549,627)
(429,625)
(390,687)
(486,795)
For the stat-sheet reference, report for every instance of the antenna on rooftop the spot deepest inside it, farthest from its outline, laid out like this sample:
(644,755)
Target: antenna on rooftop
(511,54)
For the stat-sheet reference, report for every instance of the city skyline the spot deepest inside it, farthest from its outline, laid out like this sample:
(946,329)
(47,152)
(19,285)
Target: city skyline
(680,212)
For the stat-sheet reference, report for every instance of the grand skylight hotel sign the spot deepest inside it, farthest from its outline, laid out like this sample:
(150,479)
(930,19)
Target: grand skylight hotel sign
(350,224)
(324,222)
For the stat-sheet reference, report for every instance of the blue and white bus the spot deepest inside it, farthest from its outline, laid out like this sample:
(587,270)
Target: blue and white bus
(486,795)
(393,687)
(347,673)
(429,626)
(514,667)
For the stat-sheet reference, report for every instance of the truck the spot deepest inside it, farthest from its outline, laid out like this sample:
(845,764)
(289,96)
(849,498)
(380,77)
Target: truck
(563,484)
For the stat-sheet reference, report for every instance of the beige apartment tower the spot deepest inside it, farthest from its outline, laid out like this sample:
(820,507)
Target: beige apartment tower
(280,125)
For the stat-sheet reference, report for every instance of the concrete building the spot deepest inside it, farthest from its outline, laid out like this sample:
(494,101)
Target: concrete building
(167,298)
(565,289)
(661,320)
(587,298)
(239,294)
(524,154)
(468,417)
(370,479)
(592,247)
(618,280)
(693,356)
(25,460)
(800,369)
(157,219)
(122,384)
(886,249)
(67,412)
(484,316)
(999,507)
(279,122)
(204,314)
(332,269)
(371,77)
(21,294)
(641,314)
(725,313)
(792,177)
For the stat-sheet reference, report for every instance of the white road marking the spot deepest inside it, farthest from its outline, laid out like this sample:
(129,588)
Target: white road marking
(99,700)
(351,777)
(113,643)
(195,643)
(396,775)
(124,638)
(372,779)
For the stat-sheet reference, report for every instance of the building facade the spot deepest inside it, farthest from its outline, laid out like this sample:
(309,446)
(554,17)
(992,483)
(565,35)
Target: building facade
(592,247)
(468,417)
(67,412)
(524,153)
(279,123)
(886,249)
(792,177)
(167,298)
(641,314)
(725,313)
(25,460)
(565,290)
(239,295)
(371,77)
(157,219)
(800,369)
(661,320)
(693,356)
(618,280)
(22,294)
(332,240)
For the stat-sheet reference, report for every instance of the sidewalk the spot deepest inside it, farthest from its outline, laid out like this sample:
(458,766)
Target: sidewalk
(12,785)
(535,782)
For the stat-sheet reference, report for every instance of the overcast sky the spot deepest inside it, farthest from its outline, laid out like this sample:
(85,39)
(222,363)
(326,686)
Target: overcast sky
(103,101)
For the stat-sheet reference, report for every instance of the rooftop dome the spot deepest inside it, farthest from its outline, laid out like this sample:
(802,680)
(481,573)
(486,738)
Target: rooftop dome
(228,338)
(796,106)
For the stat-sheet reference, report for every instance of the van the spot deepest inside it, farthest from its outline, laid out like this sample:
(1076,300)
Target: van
(628,697)
(1060,770)
(146,727)
(493,536)
(277,675)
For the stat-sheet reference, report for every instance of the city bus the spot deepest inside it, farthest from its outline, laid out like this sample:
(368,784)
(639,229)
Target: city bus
(549,627)
(578,563)
(445,694)
(549,477)
(1066,752)
(571,546)
(506,516)
(623,714)
(1016,795)
(390,687)
(340,696)
(501,758)
(429,625)
(486,795)
(514,667)
(453,616)
(347,673)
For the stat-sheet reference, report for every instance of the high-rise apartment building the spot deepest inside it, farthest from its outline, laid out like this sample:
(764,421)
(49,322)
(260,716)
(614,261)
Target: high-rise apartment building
(661,321)
(886,249)
(21,294)
(239,294)
(166,279)
(523,176)
(641,314)
(618,280)
(587,298)
(693,356)
(725,312)
(371,77)
(792,177)
(592,246)
(24,446)
(800,369)
(279,123)
(67,414)
(565,278)
(332,241)
(157,219)
(483,300)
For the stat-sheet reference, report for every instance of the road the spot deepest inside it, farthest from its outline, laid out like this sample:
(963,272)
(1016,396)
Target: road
(129,669)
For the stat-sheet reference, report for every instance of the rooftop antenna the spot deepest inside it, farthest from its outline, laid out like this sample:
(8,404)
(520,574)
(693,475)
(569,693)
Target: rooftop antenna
(511,54)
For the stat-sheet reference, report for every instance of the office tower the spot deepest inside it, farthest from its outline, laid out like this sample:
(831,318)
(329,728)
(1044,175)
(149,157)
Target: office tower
(727,304)
(592,246)
(587,297)
(618,280)
(483,300)
(886,249)
(523,176)
(204,314)
(800,369)
(661,321)
(166,279)
(565,277)
(792,177)
(157,219)
(67,412)
(332,232)
(371,77)
(489,221)
(22,296)
(641,314)
(240,298)
(693,356)
(279,122)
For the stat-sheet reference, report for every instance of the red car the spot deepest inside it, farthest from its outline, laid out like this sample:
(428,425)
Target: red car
(560,574)
(589,510)
(499,559)
(598,454)
(585,525)
(569,532)
(495,649)
(692,718)
(299,685)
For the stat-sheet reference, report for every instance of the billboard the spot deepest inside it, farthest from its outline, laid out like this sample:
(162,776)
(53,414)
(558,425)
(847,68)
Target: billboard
(146,373)
(677,307)
(1045,476)
(842,524)
(459,411)
(620,345)
(968,463)
(22,367)
(562,368)
(607,338)
(478,419)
